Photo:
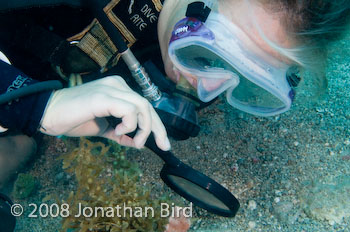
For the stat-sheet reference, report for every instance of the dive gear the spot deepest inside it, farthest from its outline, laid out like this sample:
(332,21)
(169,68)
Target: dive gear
(29,89)
(16,91)
(150,91)
(217,56)
(7,220)
(177,114)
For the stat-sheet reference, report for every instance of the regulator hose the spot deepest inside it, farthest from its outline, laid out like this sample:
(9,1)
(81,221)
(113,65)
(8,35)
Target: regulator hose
(30,89)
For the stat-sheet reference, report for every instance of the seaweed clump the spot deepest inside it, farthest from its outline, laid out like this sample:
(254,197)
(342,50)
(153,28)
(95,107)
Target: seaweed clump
(106,180)
(24,186)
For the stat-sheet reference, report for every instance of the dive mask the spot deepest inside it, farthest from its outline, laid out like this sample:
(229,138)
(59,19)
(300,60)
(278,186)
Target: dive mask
(222,57)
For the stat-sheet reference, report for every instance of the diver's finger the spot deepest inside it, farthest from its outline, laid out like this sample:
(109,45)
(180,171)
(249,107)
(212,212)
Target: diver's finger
(128,124)
(126,141)
(159,131)
(119,108)
(145,125)
(123,140)
(114,82)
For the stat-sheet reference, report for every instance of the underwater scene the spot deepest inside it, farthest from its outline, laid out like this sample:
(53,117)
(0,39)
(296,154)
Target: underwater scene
(289,172)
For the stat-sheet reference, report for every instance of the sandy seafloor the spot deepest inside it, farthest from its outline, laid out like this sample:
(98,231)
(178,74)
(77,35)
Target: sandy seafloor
(284,170)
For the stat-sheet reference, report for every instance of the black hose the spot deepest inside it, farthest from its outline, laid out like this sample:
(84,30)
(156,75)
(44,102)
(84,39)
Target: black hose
(30,89)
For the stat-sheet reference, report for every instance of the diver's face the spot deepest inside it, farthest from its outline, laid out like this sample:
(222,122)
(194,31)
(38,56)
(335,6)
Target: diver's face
(239,12)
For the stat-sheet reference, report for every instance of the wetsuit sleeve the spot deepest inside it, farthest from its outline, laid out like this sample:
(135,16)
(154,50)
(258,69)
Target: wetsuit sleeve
(22,114)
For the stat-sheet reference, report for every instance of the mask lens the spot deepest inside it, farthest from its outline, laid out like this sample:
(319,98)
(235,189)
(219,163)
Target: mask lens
(212,72)
(209,88)
(199,58)
(251,95)
(215,69)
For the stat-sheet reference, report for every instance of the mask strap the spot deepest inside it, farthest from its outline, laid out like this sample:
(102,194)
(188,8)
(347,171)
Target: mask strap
(198,10)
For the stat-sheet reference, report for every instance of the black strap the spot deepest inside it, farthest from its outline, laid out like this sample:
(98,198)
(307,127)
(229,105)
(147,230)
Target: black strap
(198,10)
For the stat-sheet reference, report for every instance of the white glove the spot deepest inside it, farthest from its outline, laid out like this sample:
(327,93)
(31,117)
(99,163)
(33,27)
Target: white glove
(81,111)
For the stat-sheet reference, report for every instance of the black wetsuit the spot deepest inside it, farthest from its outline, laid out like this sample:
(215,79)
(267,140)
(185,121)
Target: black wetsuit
(31,38)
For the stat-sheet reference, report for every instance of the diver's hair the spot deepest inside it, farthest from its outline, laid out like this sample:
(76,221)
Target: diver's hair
(323,20)
(313,24)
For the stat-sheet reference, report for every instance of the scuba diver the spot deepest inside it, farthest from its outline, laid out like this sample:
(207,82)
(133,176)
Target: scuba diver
(254,51)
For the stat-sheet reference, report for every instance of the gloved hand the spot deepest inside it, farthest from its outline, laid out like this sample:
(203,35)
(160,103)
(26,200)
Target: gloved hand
(81,111)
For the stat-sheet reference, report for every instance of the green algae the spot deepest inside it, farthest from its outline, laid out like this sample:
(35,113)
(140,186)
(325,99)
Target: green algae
(106,180)
(24,186)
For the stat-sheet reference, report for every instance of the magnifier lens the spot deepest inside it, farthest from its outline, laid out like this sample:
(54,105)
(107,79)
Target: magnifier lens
(197,192)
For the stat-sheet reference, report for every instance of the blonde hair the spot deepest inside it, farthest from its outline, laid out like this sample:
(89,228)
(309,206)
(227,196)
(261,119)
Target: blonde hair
(313,24)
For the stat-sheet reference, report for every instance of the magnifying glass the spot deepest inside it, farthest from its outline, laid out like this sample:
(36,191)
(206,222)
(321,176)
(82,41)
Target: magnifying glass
(193,185)
(189,183)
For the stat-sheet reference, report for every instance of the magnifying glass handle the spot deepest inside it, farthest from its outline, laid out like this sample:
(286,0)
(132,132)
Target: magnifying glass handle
(166,156)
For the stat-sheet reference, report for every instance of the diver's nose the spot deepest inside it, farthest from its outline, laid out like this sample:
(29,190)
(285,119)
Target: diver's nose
(191,79)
